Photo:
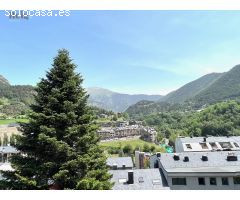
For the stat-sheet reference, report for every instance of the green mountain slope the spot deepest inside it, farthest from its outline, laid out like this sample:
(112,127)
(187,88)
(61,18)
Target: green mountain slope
(3,81)
(191,89)
(209,89)
(224,88)
(14,99)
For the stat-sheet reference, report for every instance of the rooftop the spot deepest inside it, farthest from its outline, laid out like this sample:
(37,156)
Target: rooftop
(8,149)
(216,162)
(120,161)
(209,143)
(144,179)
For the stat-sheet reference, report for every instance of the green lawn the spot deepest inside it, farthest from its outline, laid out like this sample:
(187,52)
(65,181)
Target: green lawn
(133,143)
(9,121)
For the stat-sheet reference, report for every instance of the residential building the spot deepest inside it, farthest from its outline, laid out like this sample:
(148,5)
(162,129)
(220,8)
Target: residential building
(109,133)
(6,152)
(201,170)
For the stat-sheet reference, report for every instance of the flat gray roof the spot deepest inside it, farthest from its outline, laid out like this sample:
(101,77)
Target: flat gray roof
(144,179)
(217,162)
(120,161)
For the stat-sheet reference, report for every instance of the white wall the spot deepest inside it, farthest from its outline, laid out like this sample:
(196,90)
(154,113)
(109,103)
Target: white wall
(192,184)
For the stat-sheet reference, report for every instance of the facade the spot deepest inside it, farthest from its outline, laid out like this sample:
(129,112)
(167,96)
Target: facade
(201,170)
(206,144)
(138,179)
(109,133)
(120,163)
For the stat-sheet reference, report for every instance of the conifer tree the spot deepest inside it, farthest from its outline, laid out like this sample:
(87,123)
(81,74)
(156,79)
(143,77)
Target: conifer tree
(59,146)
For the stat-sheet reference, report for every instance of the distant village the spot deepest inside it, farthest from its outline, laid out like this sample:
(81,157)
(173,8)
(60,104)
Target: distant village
(125,129)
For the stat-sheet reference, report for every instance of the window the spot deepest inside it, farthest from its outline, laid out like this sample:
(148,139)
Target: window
(188,146)
(236,144)
(225,181)
(213,181)
(236,180)
(204,145)
(179,181)
(226,145)
(213,145)
(201,181)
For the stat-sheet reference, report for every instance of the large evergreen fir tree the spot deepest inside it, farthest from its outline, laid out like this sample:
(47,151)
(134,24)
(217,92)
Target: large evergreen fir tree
(59,146)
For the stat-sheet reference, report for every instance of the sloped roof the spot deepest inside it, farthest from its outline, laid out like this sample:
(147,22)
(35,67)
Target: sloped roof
(144,179)
(217,162)
(120,161)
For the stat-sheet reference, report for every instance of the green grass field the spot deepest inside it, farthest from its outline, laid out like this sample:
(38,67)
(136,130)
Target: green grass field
(134,143)
(9,121)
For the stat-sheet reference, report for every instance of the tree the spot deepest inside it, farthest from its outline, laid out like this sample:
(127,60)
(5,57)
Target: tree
(59,145)
(146,148)
(127,149)
(115,118)
(152,148)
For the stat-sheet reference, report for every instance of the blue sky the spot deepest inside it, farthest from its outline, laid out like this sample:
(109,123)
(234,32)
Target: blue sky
(152,52)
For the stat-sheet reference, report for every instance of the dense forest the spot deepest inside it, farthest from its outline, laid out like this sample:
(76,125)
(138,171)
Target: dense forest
(15,100)
(219,119)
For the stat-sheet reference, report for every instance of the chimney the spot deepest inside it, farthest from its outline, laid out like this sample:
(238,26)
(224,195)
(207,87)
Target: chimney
(158,154)
(176,157)
(130,177)
(204,158)
(114,167)
(186,159)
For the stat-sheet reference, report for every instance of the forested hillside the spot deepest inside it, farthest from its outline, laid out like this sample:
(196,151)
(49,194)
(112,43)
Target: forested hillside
(191,89)
(220,119)
(15,100)
(226,87)
(3,81)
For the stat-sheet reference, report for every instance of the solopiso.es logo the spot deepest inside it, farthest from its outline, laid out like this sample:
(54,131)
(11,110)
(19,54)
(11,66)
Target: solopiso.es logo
(25,14)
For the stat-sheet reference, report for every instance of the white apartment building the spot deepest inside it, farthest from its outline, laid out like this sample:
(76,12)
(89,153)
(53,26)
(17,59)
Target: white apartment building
(201,170)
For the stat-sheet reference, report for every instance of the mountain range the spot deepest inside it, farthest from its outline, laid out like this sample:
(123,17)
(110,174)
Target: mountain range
(114,101)
(207,89)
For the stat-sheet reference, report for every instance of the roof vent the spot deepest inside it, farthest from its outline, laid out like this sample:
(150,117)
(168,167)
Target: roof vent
(130,177)
(204,158)
(124,166)
(176,157)
(158,154)
(204,139)
(232,157)
(186,159)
